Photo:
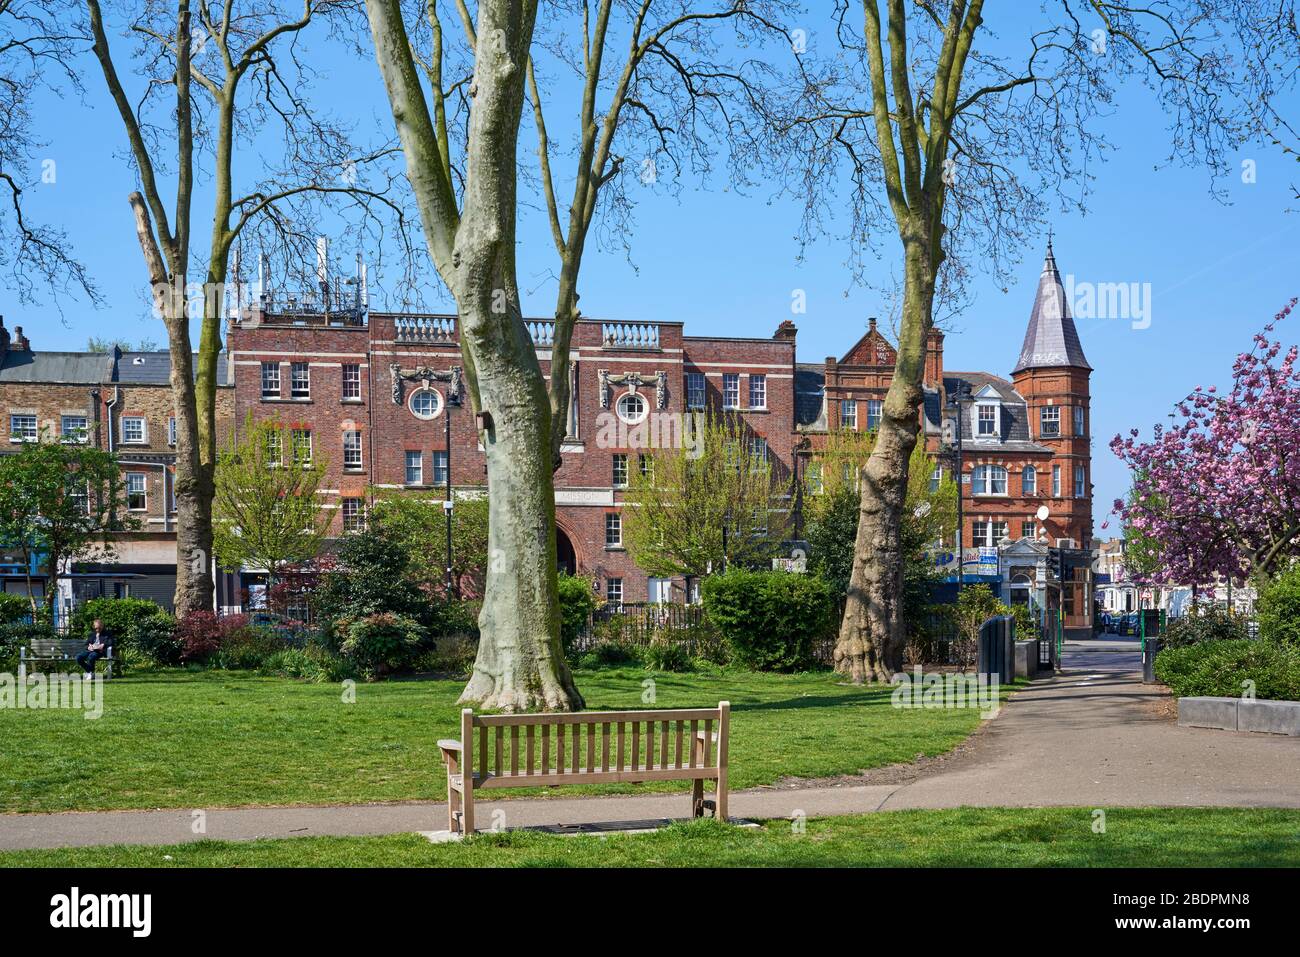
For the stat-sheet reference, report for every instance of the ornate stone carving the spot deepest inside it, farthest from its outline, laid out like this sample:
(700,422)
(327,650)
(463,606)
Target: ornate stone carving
(633,381)
(427,376)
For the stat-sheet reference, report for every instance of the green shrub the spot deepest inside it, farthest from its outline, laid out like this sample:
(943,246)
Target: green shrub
(611,654)
(248,648)
(1278,608)
(457,618)
(577,602)
(16,634)
(1219,668)
(154,639)
(117,614)
(1204,624)
(666,656)
(14,608)
(383,643)
(452,655)
(310,662)
(770,620)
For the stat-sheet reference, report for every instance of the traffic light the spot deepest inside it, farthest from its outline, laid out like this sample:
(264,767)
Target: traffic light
(1056,563)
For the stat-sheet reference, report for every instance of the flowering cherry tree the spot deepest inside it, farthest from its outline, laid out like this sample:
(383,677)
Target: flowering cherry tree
(1219,492)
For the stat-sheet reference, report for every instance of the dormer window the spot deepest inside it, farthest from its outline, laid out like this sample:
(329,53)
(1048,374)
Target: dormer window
(986,421)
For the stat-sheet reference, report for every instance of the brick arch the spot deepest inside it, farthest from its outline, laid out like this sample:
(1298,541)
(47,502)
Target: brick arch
(570,558)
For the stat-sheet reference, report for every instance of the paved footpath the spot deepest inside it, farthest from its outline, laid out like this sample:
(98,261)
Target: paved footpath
(1093,736)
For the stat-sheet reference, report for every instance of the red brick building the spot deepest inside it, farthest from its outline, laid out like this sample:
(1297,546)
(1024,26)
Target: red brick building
(371,392)
(120,402)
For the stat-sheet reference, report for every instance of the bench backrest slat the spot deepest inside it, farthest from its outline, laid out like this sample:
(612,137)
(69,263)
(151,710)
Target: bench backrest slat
(44,647)
(658,741)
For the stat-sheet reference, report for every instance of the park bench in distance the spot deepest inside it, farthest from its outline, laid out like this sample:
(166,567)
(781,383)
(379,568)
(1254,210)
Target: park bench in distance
(57,650)
(593,747)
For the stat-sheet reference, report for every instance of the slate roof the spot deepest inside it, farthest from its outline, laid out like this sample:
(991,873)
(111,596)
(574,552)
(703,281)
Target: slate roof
(1051,339)
(1015,413)
(71,368)
(94,368)
(155,368)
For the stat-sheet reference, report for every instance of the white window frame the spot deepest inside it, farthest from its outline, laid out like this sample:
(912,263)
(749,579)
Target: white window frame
(171,430)
(758,453)
(81,435)
(355,521)
(984,480)
(757,391)
(613,530)
(731,390)
(1078,420)
(1080,482)
(142,491)
(270,373)
(1056,481)
(614,591)
(296,446)
(697,390)
(440,463)
(353,458)
(300,372)
(1049,414)
(24,434)
(351,386)
(419,394)
(618,470)
(988,414)
(409,456)
(1029,480)
(144,430)
(850,420)
(274,450)
(875,412)
(625,401)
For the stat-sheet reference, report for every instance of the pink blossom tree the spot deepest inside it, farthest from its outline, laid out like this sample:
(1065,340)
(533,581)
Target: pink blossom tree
(1219,491)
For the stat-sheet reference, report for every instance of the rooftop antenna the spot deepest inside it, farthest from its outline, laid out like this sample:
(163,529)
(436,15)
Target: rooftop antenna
(322,269)
(235,306)
(261,278)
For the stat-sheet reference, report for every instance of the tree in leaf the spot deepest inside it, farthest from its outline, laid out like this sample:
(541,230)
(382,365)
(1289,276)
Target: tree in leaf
(268,512)
(417,524)
(60,502)
(680,500)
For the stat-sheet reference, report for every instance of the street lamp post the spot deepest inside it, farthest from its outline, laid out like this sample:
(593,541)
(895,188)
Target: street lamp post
(961,395)
(453,399)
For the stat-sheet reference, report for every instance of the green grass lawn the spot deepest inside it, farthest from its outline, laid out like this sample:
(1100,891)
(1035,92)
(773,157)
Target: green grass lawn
(220,739)
(967,837)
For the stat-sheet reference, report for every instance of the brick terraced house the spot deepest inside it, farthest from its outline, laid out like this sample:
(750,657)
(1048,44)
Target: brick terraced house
(117,401)
(376,394)
(370,391)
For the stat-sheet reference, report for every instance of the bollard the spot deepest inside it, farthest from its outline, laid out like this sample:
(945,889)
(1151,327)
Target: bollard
(1150,648)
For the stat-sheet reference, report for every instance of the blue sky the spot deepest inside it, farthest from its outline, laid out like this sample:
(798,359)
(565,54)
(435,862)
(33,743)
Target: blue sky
(726,264)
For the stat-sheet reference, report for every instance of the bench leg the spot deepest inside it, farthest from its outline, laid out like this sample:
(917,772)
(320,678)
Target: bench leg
(697,798)
(720,798)
(467,805)
(453,808)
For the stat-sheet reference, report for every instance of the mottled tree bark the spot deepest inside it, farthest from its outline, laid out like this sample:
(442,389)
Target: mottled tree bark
(520,664)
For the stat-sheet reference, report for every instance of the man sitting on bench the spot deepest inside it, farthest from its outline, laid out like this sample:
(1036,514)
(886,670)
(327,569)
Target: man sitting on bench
(97,646)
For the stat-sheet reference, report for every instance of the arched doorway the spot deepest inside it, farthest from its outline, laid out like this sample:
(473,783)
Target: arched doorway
(566,560)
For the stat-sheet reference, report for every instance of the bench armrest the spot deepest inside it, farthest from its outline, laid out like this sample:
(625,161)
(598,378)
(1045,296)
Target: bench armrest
(447,744)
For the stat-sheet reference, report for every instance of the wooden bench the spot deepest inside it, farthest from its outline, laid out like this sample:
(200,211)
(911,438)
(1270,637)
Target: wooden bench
(57,650)
(594,747)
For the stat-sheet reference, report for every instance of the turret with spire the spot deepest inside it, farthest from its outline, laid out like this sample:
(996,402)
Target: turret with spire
(1051,341)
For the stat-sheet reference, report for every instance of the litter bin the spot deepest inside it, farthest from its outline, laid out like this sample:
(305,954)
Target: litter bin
(1150,648)
(997,656)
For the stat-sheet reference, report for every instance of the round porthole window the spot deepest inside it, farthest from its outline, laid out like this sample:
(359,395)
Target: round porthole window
(426,403)
(632,408)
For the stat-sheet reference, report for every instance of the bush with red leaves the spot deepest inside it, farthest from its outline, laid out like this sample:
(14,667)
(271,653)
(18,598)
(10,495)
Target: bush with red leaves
(202,634)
